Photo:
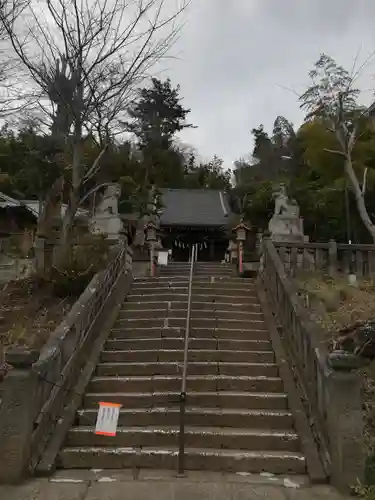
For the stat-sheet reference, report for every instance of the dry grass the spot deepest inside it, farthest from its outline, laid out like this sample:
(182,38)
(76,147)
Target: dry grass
(335,305)
(29,312)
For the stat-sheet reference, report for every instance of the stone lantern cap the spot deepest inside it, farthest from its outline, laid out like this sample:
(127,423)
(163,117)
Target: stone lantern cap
(151,231)
(241,230)
(241,225)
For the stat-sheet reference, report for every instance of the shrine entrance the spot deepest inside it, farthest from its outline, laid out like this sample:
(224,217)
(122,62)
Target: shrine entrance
(211,245)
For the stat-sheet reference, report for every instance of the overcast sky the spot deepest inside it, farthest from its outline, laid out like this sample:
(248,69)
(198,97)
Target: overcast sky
(237,58)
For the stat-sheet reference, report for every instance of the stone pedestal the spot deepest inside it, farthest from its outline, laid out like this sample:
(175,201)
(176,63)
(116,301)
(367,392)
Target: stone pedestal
(286,228)
(109,225)
(345,427)
(106,219)
(17,415)
(285,224)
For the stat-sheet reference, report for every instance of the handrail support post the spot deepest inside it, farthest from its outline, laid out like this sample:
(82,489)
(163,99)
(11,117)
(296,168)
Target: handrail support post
(181,448)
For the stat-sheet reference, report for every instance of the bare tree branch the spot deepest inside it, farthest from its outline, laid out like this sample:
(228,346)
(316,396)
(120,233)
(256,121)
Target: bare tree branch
(334,151)
(332,98)
(86,58)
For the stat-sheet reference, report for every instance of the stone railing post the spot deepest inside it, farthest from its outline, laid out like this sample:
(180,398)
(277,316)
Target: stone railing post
(345,427)
(332,258)
(39,247)
(258,241)
(2,336)
(17,412)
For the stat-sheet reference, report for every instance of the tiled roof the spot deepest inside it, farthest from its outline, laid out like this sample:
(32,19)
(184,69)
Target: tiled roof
(7,201)
(33,206)
(194,207)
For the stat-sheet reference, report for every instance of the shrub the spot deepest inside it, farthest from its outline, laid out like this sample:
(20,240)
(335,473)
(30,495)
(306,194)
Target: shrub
(88,254)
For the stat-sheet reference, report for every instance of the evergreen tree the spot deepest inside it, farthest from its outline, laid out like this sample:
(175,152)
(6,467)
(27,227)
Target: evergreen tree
(157,116)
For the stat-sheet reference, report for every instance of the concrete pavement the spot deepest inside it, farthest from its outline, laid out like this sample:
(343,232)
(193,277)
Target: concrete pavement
(146,485)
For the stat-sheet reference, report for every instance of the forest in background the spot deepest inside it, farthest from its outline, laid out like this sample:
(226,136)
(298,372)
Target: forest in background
(31,161)
(80,110)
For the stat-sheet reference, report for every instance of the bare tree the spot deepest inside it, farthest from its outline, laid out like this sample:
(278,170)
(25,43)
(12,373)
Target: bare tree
(87,57)
(333,98)
(14,94)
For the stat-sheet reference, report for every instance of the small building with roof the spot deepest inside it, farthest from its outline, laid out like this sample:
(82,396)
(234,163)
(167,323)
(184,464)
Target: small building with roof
(190,216)
(15,216)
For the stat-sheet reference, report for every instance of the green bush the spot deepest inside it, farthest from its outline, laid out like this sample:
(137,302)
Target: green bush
(87,255)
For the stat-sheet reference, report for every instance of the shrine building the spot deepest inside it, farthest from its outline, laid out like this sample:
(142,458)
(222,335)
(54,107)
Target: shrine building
(190,216)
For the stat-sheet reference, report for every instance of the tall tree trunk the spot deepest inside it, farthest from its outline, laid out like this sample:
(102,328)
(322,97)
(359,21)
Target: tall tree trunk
(359,198)
(62,249)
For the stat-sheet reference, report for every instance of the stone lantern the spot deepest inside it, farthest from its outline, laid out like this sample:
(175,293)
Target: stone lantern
(240,233)
(151,232)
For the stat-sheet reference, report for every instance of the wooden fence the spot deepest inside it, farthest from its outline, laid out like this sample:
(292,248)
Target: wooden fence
(330,258)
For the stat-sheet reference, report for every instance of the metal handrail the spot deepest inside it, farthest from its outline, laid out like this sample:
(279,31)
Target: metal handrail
(181,451)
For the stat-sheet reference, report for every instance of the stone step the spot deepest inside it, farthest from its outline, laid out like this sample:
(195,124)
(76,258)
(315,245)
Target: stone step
(194,368)
(207,383)
(163,270)
(139,289)
(127,331)
(195,437)
(221,289)
(178,282)
(203,417)
(196,279)
(220,271)
(195,344)
(166,272)
(199,265)
(197,289)
(156,297)
(218,312)
(243,298)
(197,355)
(223,399)
(276,462)
(198,306)
(198,272)
(171,296)
(224,271)
(161,282)
(195,323)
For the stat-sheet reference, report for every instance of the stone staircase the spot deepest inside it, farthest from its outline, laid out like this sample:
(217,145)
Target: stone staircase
(237,416)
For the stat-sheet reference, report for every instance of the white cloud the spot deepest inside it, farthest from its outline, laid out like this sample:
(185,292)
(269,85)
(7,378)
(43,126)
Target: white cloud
(238,59)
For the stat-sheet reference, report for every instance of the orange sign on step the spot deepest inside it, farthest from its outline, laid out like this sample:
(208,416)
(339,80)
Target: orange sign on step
(106,422)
